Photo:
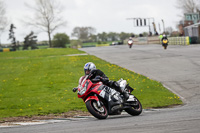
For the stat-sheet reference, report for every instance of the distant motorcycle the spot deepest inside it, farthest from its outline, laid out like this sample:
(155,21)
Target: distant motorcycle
(165,43)
(102,100)
(130,43)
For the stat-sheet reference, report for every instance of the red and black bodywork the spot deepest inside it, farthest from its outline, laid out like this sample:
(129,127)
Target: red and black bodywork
(130,43)
(99,92)
(102,100)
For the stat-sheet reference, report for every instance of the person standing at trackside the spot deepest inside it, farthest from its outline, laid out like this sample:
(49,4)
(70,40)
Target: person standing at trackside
(161,36)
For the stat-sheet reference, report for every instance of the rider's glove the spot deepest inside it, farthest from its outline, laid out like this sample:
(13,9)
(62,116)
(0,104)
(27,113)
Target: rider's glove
(75,89)
(96,79)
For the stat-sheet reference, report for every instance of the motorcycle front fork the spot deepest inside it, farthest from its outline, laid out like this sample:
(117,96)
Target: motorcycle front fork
(98,102)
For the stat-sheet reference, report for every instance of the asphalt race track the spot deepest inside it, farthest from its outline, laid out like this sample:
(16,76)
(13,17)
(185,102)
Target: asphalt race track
(178,68)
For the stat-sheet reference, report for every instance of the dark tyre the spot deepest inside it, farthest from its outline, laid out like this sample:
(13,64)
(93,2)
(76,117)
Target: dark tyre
(165,46)
(98,112)
(136,109)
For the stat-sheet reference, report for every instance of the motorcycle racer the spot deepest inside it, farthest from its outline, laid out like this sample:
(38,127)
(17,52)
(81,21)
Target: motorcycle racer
(130,42)
(96,74)
(164,41)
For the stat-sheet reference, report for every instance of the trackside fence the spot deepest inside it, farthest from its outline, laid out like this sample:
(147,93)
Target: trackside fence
(157,40)
(179,40)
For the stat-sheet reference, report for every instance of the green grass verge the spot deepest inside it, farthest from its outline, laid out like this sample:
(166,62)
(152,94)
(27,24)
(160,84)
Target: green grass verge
(40,82)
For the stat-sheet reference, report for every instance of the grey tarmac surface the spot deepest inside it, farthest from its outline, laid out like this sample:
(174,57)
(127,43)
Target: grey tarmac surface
(178,68)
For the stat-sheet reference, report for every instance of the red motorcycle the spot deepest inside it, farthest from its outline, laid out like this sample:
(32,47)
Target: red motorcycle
(130,43)
(102,100)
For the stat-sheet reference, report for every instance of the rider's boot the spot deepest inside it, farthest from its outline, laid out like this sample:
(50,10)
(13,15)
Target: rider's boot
(125,94)
(119,89)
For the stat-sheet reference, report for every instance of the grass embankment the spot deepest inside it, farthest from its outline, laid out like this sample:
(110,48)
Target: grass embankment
(40,82)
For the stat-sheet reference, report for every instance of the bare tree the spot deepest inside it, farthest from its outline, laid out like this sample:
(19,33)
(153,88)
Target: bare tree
(3,18)
(188,6)
(47,16)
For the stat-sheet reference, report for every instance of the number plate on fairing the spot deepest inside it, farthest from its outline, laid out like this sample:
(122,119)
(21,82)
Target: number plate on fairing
(107,92)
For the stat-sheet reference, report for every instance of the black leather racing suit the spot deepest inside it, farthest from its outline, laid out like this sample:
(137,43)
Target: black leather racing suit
(105,80)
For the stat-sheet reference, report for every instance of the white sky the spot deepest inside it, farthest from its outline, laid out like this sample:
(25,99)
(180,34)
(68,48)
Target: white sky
(103,15)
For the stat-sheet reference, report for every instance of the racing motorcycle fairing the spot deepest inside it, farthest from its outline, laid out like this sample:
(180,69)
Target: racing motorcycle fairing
(130,42)
(112,98)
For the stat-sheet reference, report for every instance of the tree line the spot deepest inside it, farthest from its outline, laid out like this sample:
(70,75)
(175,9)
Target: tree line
(88,34)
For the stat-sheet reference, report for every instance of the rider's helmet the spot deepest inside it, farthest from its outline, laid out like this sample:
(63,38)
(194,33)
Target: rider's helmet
(89,67)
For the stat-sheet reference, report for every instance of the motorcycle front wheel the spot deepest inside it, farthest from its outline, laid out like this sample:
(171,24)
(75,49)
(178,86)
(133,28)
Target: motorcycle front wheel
(136,109)
(98,112)
(130,46)
(165,46)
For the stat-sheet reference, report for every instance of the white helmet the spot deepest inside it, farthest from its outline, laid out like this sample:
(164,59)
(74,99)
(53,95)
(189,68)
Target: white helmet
(89,67)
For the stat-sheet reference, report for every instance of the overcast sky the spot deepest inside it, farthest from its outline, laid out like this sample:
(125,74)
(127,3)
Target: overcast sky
(103,15)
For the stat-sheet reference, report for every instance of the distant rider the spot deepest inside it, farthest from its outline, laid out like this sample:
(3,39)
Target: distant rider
(164,37)
(130,42)
(164,41)
(98,74)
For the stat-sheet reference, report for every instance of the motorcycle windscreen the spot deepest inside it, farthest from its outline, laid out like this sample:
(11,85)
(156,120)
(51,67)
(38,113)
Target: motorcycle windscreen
(83,88)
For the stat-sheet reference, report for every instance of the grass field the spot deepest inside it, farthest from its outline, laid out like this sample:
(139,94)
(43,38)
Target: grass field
(40,82)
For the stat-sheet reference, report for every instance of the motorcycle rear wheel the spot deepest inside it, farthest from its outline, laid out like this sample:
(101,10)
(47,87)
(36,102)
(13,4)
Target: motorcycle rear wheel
(136,109)
(100,113)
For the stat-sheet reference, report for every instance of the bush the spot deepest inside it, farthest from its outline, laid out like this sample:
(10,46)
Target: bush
(60,40)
